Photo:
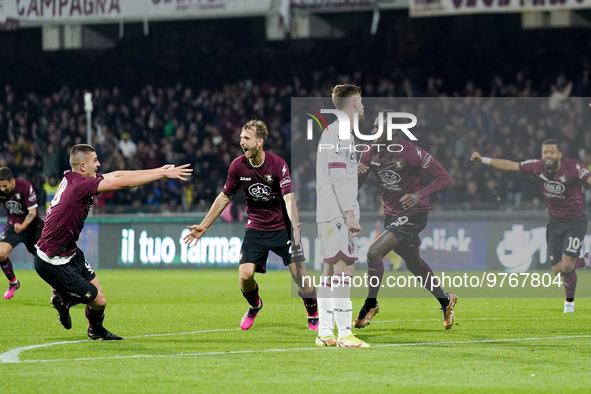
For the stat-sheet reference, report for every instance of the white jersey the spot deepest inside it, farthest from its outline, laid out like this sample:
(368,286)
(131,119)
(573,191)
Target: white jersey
(336,176)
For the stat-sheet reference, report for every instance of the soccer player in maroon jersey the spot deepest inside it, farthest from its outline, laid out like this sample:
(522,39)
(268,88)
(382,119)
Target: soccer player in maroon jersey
(23,225)
(399,165)
(560,179)
(59,261)
(272,220)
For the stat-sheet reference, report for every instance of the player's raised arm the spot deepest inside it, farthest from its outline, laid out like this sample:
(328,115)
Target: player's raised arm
(141,177)
(199,230)
(499,164)
(120,173)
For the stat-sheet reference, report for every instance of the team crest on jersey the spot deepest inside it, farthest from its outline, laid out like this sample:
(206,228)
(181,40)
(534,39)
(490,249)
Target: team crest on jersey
(399,164)
(351,248)
(269,178)
(17,196)
(562,179)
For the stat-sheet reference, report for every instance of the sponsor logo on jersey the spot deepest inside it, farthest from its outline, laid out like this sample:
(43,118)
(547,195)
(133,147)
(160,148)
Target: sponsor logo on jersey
(260,191)
(389,177)
(554,187)
(14,207)
(427,161)
(284,182)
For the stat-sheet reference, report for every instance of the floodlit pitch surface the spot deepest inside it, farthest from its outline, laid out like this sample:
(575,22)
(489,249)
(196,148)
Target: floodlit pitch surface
(181,335)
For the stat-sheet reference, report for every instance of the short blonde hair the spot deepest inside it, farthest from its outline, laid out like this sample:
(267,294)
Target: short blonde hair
(341,92)
(76,151)
(260,128)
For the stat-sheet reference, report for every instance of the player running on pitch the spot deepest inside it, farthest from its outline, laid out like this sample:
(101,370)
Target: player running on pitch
(406,207)
(560,179)
(23,225)
(273,222)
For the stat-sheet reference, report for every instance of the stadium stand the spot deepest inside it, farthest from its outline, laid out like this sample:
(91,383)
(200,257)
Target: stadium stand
(171,97)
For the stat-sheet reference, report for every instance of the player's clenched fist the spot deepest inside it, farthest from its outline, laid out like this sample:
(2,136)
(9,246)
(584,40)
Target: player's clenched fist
(476,157)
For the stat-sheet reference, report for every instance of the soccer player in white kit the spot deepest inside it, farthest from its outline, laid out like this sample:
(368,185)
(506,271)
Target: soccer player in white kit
(337,215)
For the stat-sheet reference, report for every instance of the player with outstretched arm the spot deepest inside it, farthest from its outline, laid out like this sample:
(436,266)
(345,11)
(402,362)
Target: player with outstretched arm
(273,222)
(59,261)
(560,179)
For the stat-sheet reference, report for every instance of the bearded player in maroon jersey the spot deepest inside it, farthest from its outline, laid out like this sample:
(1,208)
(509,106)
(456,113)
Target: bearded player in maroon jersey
(560,179)
(399,166)
(59,261)
(273,221)
(23,225)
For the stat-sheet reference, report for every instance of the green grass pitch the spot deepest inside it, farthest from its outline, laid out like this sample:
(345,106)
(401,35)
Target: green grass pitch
(181,335)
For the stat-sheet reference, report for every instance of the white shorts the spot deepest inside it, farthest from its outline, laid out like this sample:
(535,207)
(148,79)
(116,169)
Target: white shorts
(337,243)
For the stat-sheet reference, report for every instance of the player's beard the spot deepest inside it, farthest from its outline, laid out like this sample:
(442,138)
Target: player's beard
(552,167)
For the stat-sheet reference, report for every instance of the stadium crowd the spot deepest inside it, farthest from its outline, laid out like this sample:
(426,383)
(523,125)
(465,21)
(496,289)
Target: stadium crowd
(170,113)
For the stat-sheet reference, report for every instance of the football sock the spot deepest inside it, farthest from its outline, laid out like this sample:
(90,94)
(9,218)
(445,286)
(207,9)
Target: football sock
(343,307)
(444,302)
(7,269)
(253,297)
(570,284)
(325,308)
(579,263)
(95,318)
(375,272)
(310,302)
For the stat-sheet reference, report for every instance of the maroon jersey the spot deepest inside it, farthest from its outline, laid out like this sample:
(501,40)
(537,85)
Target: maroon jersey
(401,173)
(66,214)
(18,202)
(264,187)
(562,189)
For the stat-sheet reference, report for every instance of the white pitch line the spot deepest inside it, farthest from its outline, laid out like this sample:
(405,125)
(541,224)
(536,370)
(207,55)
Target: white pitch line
(291,349)
(12,356)
(468,319)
